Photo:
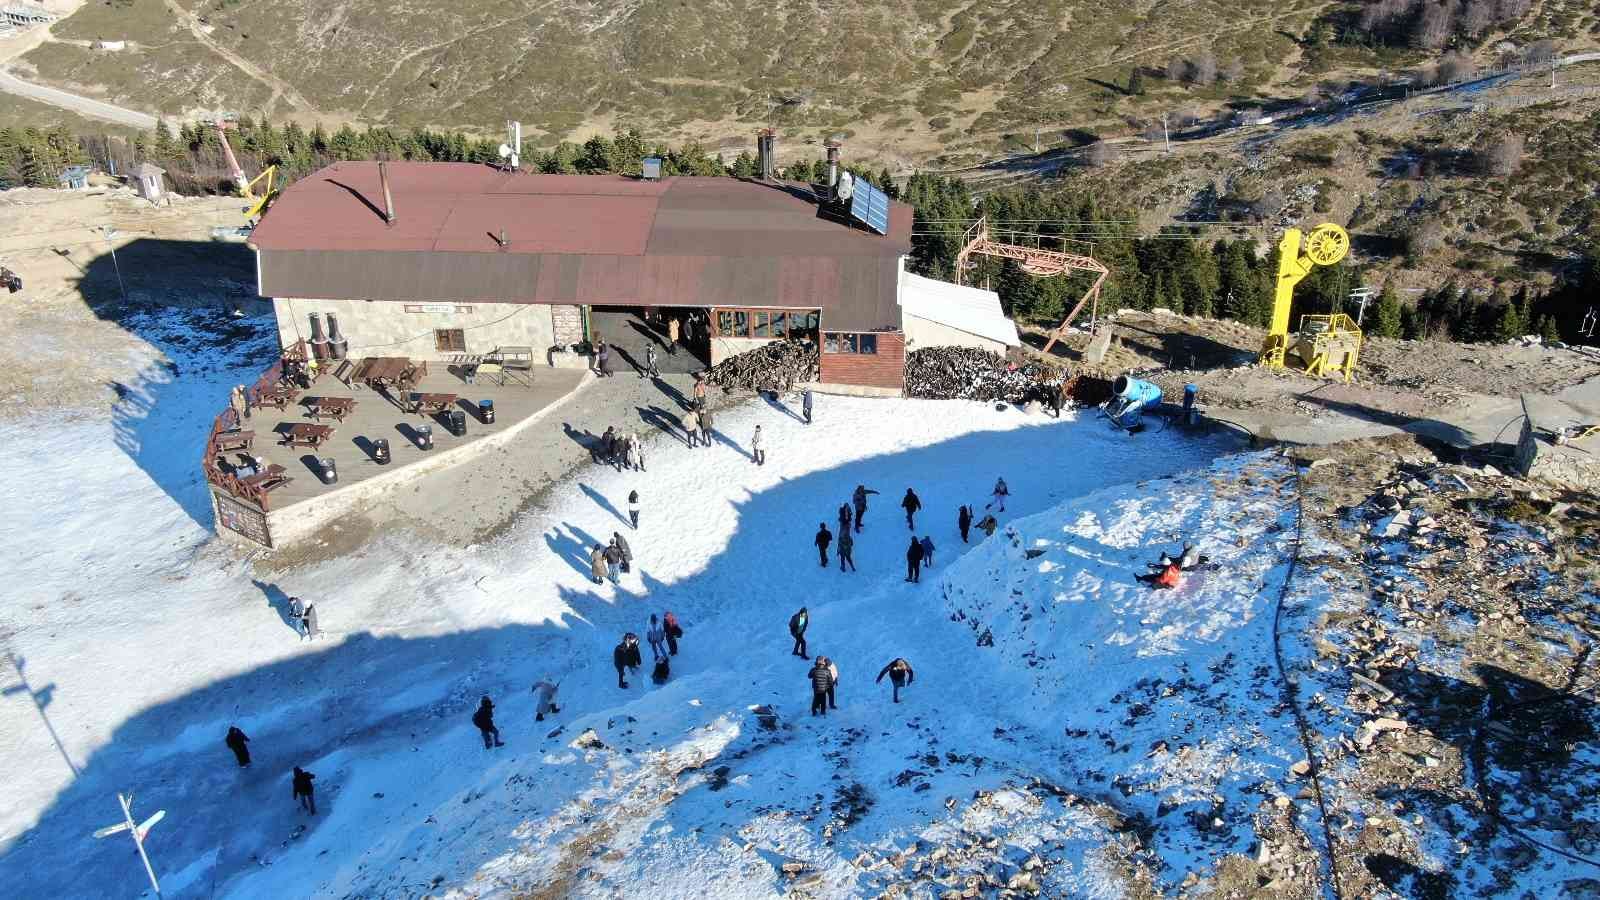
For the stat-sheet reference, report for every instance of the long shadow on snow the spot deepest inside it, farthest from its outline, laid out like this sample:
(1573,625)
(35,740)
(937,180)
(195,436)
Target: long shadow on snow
(305,708)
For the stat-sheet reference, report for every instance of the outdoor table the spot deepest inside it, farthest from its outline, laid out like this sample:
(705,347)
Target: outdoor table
(306,434)
(382,371)
(425,404)
(278,397)
(275,476)
(229,441)
(336,407)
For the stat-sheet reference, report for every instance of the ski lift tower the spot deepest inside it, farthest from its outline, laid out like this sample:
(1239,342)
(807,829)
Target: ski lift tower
(1035,261)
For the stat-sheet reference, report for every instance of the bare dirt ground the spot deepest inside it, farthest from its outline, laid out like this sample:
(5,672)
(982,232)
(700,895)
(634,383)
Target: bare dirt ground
(1459,393)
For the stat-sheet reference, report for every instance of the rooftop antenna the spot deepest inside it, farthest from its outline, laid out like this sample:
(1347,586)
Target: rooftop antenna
(511,150)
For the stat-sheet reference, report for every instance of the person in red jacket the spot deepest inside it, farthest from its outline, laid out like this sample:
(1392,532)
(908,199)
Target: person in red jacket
(1164,577)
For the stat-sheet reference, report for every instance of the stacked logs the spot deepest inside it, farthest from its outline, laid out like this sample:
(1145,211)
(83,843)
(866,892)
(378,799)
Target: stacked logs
(778,365)
(964,373)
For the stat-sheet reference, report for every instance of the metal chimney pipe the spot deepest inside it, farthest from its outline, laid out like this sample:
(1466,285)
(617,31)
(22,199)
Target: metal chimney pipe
(337,345)
(833,162)
(767,153)
(319,343)
(388,199)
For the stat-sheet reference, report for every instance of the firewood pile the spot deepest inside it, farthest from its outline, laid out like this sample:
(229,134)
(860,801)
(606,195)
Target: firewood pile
(778,365)
(963,373)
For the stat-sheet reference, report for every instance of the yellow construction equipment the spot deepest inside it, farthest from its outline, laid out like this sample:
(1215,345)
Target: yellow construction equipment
(1324,345)
(258,202)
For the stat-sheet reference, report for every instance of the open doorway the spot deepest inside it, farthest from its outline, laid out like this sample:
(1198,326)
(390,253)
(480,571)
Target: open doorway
(631,328)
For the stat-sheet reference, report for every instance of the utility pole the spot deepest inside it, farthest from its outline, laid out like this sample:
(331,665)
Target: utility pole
(1035,140)
(138,832)
(1166,136)
(110,233)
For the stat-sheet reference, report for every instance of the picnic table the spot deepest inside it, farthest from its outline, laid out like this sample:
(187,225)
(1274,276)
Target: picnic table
(279,396)
(390,371)
(229,441)
(336,407)
(306,434)
(426,404)
(275,476)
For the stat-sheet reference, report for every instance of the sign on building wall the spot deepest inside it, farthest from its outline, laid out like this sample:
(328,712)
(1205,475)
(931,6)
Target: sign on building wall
(437,308)
(242,519)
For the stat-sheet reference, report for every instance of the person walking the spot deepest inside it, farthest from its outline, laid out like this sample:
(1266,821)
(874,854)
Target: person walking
(309,623)
(297,616)
(914,561)
(756,453)
(805,404)
(700,391)
(821,682)
(673,330)
(900,675)
(1056,400)
(797,628)
(847,546)
(636,448)
(823,539)
(633,509)
(657,636)
(545,692)
(626,656)
(651,370)
(927,549)
(605,360)
(484,719)
(612,555)
(964,522)
(704,418)
(911,503)
(1001,492)
(669,624)
(627,552)
(833,679)
(859,498)
(597,564)
(236,400)
(304,793)
(987,525)
(238,742)
(844,518)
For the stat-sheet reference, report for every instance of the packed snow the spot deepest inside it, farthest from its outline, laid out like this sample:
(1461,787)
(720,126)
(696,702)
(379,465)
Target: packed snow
(1057,703)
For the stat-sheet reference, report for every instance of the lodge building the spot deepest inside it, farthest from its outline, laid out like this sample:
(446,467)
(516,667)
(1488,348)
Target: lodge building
(428,260)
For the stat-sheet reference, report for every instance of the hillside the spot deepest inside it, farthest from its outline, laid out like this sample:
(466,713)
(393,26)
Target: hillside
(910,80)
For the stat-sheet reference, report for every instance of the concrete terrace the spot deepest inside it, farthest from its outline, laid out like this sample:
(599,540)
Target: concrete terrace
(375,417)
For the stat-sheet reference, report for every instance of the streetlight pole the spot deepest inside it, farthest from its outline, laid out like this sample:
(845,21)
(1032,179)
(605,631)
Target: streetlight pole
(110,233)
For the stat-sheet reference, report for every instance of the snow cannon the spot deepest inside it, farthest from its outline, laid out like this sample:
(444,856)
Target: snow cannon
(1129,397)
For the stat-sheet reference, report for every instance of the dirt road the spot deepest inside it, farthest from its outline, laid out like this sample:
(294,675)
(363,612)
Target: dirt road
(83,106)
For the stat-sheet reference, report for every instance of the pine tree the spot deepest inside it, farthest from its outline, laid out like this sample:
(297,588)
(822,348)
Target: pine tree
(1547,329)
(1508,324)
(1413,323)
(744,166)
(164,147)
(1389,320)
(1136,82)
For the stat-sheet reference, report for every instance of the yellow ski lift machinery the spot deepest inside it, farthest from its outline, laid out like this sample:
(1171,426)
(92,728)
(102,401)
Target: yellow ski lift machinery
(1325,345)
(258,200)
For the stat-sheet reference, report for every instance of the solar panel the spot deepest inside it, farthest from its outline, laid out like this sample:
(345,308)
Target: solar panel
(870,206)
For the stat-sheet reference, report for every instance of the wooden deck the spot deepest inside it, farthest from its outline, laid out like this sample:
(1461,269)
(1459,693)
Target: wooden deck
(376,417)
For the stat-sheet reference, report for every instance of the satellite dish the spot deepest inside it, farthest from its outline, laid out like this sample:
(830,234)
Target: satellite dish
(847,185)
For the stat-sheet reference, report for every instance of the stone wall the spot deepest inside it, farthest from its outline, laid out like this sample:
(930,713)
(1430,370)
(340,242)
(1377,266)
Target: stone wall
(385,328)
(566,324)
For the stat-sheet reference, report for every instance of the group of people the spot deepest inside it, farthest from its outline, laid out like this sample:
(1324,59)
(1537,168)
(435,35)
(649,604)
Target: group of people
(300,781)
(663,634)
(824,673)
(611,560)
(1167,572)
(303,616)
(621,450)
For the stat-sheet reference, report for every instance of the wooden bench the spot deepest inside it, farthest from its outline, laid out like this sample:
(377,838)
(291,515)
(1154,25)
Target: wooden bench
(228,441)
(274,477)
(306,434)
(279,397)
(334,407)
(431,404)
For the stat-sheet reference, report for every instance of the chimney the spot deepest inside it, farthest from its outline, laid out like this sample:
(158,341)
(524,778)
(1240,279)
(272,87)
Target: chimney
(388,199)
(767,153)
(833,146)
(319,343)
(337,345)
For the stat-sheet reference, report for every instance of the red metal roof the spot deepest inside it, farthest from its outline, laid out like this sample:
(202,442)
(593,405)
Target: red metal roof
(592,239)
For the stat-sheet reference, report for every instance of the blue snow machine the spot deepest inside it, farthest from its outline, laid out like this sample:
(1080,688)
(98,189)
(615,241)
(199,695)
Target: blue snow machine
(1130,397)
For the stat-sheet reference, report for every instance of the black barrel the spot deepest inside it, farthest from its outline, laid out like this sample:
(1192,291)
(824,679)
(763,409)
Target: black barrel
(458,423)
(327,469)
(486,411)
(425,437)
(380,451)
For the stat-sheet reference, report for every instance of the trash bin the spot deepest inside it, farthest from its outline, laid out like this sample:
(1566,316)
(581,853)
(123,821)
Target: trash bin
(486,411)
(327,469)
(380,451)
(458,423)
(1190,414)
(425,437)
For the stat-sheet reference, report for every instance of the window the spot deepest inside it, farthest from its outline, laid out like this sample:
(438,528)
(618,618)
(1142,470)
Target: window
(450,340)
(766,324)
(778,325)
(763,325)
(850,342)
(741,323)
(725,324)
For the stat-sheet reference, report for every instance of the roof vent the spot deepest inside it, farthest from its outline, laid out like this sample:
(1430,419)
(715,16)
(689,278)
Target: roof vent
(652,168)
(767,153)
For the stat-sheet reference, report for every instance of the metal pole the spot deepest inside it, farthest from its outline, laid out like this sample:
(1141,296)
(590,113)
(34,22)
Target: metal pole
(127,813)
(1166,136)
(109,232)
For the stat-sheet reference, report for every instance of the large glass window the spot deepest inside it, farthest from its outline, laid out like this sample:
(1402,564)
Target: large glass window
(725,323)
(868,343)
(741,323)
(849,342)
(763,325)
(779,324)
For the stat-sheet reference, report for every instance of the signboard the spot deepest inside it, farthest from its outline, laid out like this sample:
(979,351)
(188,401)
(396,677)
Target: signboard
(242,519)
(444,309)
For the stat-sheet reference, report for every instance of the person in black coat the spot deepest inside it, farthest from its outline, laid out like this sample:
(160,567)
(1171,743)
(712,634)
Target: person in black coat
(823,539)
(484,719)
(964,522)
(303,791)
(821,680)
(797,628)
(237,741)
(844,517)
(900,675)
(859,498)
(914,560)
(911,503)
(626,656)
